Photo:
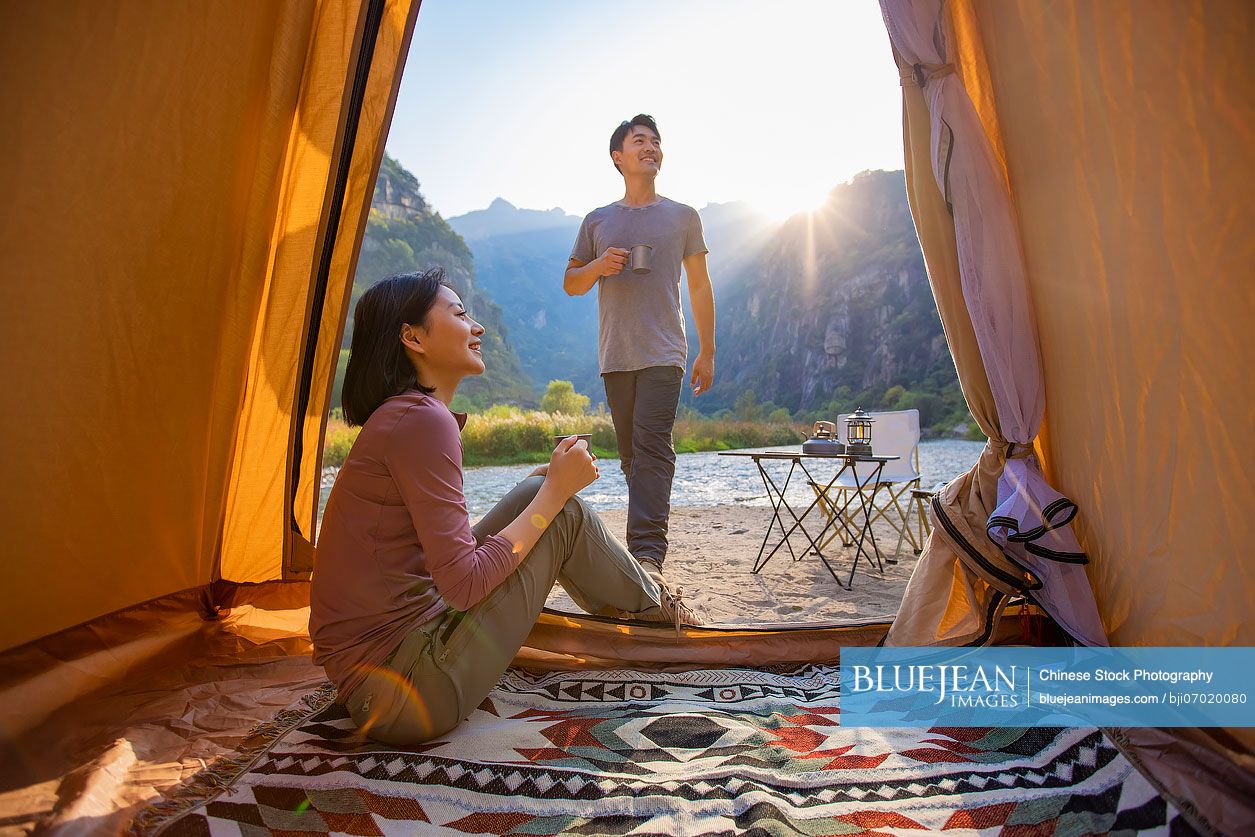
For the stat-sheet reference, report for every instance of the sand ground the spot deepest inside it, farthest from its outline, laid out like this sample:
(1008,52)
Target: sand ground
(712,550)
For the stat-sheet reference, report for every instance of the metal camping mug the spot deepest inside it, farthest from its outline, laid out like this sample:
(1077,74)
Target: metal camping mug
(640,258)
(586,438)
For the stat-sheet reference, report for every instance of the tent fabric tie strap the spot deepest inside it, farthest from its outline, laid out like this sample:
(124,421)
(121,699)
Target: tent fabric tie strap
(1011,450)
(921,74)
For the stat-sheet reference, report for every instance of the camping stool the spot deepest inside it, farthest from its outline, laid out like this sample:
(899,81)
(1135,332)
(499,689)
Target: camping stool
(919,498)
(922,497)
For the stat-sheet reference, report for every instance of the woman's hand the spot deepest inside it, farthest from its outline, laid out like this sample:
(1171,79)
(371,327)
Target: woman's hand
(571,467)
(540,470)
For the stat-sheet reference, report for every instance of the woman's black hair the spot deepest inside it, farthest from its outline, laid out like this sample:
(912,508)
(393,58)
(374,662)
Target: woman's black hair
(378,366)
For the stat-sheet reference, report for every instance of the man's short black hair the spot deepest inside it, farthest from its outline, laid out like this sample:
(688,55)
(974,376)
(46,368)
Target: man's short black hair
(620,133)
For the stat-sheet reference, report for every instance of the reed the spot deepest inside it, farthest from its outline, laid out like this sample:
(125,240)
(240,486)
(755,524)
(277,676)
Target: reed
(507,435)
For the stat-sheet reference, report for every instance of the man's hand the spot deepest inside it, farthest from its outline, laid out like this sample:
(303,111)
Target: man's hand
(540,470)
(702,295)
(581,277)
(612,262)
(703,373)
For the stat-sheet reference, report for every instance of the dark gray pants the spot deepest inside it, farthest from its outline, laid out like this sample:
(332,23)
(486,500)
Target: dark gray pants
(642,405)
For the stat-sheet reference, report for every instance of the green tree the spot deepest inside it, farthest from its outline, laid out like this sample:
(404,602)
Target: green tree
(780,416)
(930,406)
(747,407)
(561,397)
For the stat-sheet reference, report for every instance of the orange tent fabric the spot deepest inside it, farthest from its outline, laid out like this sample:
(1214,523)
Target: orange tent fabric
(1127,136)
(185,189)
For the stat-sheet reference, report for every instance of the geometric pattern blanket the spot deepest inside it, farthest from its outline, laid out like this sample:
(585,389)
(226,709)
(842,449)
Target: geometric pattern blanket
(646,753)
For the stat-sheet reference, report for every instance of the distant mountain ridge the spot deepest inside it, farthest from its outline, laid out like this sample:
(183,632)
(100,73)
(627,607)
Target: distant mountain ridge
(504,218)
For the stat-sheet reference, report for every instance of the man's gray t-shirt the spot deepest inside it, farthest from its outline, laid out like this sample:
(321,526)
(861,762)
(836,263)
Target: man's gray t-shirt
(640,321)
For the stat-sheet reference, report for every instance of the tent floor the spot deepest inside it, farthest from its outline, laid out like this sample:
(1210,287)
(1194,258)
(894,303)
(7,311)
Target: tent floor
(91,765)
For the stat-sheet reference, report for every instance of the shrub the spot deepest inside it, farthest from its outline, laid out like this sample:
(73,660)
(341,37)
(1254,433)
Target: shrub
(504,435)
(519,436)
(930,406)
(561,397)
(604,438)
(338,442)
(501,411)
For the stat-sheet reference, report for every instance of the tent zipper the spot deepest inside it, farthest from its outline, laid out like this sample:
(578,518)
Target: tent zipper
(361,75)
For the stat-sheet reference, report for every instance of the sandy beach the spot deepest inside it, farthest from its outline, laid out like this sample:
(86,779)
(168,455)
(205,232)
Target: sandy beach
(713,549)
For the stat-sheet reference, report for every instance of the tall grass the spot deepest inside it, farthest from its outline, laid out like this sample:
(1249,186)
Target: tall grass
(694,435)
(506,435)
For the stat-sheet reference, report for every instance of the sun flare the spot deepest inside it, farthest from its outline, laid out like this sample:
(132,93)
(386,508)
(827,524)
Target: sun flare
(781,200)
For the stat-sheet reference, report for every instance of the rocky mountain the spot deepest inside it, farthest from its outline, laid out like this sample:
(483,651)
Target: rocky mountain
(405,234)
(735,232)
(835,312)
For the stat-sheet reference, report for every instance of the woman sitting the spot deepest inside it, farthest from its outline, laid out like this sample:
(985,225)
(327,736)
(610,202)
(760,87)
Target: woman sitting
(415,613)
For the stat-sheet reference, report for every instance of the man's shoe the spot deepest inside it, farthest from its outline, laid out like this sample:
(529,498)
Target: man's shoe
(671,605)
(676,611)
(652,569)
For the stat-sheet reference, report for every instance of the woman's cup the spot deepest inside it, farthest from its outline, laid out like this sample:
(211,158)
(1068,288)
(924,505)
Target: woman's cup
(640,257)
(587,438)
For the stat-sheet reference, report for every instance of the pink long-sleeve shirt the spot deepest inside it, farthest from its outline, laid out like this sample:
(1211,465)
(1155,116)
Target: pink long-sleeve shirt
(396,549)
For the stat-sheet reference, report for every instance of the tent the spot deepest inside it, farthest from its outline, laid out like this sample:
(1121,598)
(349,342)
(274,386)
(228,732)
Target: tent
(186,187)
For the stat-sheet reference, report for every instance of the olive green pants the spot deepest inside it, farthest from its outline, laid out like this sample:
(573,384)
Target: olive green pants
(445,668)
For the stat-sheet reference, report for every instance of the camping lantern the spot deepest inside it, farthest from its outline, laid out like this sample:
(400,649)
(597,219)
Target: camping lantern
(858,433)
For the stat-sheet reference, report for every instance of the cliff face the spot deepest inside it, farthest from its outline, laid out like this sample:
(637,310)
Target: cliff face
(835,311)
(404,234)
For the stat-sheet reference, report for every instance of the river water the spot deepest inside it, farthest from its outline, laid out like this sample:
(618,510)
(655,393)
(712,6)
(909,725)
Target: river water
(701,479)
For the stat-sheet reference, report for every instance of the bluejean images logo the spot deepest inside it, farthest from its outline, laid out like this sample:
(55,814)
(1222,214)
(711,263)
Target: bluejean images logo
(960,686)
(1132,687)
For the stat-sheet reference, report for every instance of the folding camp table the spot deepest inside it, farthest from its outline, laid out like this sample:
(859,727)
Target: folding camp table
(841,516)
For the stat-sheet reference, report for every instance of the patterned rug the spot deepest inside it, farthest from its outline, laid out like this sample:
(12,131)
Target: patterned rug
(697,753)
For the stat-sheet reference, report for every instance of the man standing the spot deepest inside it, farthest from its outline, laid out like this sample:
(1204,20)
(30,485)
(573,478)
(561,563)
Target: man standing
(641,345)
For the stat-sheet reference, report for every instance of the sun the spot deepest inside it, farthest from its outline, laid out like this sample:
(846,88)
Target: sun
(782,199)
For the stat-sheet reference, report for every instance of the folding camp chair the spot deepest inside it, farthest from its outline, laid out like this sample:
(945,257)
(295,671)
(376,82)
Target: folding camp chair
(896,495)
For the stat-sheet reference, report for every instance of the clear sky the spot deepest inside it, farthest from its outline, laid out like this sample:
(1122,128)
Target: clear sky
(769,102)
